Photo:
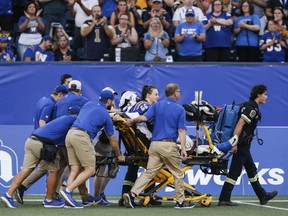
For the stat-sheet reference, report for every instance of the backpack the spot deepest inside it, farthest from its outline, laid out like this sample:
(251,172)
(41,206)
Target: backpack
(223,129)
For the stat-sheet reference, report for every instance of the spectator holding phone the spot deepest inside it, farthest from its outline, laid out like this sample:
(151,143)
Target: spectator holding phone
(31,27)
(56,31)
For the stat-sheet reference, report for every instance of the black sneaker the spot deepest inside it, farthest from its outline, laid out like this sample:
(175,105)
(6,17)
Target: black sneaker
(268,197)
(129,200)
(227,203)
(184,205)
(18,194)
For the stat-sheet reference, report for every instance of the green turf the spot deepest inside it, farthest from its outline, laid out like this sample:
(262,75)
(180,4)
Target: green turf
(249,206)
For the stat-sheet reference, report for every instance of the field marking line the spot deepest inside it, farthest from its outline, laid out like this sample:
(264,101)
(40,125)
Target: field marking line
(264,206)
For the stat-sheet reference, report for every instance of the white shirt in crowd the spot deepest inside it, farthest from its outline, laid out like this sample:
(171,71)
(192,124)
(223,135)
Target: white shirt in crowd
(80,15)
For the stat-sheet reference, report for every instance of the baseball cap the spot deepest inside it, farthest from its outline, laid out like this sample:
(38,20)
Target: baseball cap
(190,12)
(74,110)
(46,37)
(3,39)
(106,94)
(75,85)
(61,88)
(110,89)
(157,1)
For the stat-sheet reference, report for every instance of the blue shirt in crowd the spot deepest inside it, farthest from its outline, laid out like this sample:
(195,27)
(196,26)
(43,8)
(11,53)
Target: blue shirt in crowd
(274,53)
(189,47)
(218,35)
(31,26)
(245,36)
(6,7)
(37,54)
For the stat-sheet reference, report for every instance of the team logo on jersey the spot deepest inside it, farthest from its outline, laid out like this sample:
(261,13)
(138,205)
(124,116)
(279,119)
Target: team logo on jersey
(252,113)
(8,165)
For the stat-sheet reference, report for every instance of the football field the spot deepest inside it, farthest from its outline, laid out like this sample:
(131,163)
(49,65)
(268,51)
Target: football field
(247,206)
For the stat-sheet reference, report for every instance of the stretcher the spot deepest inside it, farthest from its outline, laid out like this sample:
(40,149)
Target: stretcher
(137,145)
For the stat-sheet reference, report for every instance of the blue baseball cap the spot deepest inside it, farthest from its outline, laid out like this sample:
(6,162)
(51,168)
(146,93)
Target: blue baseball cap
(61,88)
(46,37)
(110,89)
(4,39)
(190,12)
(106,94)
(74,110)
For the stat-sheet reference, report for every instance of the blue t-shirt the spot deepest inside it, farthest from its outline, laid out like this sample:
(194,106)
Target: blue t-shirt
(189,47)
(31,26)
(44,110)
(217,35)
(108,7)
(70,99)
(36,53)
(6,7)
(92,118)
(168,117)
(56,130)
(4,55)
(245,36)
(274,53)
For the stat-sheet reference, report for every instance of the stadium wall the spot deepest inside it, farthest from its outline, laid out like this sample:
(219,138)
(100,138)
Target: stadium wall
(21,86)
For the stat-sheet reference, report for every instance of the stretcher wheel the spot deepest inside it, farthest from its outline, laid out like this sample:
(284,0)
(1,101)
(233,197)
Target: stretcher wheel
(206,202)
(144,202)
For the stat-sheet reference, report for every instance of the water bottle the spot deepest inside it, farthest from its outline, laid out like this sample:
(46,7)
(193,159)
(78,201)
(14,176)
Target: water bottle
(117,54)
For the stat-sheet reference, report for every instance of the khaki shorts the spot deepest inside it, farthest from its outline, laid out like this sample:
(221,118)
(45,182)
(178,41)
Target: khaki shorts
(79,148)
(32,156)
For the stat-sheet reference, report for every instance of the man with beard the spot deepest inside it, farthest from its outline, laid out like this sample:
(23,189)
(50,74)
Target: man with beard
(92,118)
(97,35)
(41,52)
(64,53)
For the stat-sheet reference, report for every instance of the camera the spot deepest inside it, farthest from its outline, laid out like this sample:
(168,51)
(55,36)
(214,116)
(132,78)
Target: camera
(250,22)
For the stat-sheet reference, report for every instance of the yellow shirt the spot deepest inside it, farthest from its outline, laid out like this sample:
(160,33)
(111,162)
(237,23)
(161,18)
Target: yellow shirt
(141,3)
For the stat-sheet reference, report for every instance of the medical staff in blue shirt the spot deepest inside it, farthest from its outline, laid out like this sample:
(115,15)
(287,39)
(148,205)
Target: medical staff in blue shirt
(52,133)
(45,106)
(73,98)
(92,118)
(169,123)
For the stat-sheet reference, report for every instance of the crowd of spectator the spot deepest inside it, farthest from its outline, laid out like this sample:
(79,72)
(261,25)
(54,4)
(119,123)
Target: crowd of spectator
(144,30)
